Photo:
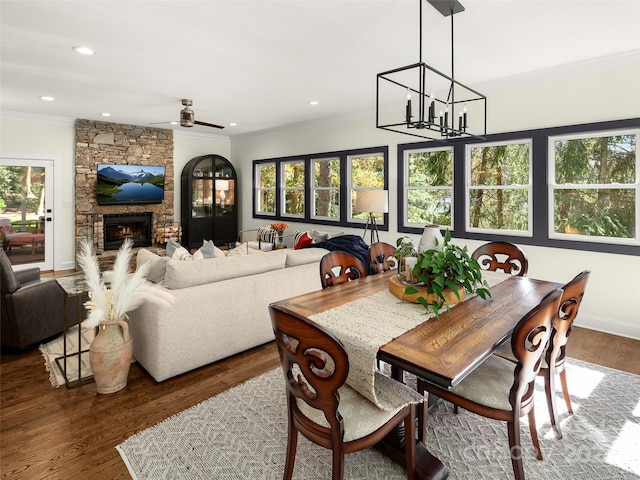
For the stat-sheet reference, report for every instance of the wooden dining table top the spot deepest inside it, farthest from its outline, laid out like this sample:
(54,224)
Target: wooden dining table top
(443,350)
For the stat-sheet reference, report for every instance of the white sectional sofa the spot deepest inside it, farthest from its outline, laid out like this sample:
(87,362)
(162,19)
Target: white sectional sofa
(221,306)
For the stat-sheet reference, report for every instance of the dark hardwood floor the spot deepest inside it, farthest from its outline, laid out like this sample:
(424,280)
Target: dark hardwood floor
(49,433)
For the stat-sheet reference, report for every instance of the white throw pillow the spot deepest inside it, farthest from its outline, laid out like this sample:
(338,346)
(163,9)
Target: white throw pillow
(177,252)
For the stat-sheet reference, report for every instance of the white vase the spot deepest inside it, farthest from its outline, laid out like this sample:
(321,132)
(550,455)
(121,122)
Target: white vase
(431,239)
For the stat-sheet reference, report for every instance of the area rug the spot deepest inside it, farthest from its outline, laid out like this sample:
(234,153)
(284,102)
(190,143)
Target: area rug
(55,349)
(241,434)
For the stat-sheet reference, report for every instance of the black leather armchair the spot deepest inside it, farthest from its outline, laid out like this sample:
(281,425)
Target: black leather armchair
(32,309)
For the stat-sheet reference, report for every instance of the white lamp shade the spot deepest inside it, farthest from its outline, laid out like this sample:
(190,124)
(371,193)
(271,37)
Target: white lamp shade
(372,201)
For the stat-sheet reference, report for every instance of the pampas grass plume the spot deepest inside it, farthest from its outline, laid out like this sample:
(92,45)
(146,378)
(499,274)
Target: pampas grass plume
(126,292)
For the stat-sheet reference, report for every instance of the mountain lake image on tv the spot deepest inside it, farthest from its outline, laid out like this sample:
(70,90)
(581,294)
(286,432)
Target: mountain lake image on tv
(122,184)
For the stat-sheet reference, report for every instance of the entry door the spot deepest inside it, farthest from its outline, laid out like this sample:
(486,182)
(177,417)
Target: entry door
(26,201)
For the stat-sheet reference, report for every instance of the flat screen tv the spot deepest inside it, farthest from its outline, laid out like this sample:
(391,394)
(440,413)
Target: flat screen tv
(129,184)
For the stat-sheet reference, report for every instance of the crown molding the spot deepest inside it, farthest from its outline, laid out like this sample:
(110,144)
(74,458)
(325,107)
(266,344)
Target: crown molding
(33,117)
(593,66)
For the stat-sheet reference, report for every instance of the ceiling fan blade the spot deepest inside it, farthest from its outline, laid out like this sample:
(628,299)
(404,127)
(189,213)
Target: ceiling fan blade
(205,124)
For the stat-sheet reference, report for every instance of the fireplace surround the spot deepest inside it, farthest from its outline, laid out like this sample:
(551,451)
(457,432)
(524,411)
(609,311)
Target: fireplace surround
(120,226)
(118,144)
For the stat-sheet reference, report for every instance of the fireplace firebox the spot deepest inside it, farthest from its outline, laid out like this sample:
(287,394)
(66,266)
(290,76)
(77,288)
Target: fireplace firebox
(118,227)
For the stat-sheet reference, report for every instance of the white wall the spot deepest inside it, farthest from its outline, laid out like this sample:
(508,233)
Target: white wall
(612,301)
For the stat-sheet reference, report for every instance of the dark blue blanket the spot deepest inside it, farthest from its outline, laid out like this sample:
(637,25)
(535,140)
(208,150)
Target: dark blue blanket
(352,244)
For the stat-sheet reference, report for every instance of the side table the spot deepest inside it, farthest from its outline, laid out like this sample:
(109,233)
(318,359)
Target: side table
(73,286)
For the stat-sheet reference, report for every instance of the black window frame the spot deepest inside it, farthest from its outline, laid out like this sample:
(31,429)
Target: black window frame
(540,162)
(343,155)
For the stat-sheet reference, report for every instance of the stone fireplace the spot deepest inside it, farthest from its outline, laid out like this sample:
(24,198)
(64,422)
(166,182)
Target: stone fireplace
(120,226)
(117,144)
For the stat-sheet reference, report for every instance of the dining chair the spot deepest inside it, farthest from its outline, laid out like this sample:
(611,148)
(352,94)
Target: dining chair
(326,410)
(503,390)
(503,256)
(567,313)
(340,267)
(381,257)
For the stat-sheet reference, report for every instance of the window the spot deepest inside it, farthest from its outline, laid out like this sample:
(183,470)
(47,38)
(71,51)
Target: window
(428,192)
(319,188)
(573,186)
(293,188)
(594,187)
(499,188)
(365,172)
(265,175)
(325,191)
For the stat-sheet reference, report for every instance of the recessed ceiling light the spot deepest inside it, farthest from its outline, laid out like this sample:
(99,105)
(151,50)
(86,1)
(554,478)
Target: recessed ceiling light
(47,98)
(105,114)
(84,50)
(233,124)
(314,102)
(173,123)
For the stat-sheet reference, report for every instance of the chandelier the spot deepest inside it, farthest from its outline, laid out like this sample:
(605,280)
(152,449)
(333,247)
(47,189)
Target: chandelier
(436,105)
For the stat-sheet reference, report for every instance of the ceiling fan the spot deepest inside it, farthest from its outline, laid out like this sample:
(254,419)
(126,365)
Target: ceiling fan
(187,117)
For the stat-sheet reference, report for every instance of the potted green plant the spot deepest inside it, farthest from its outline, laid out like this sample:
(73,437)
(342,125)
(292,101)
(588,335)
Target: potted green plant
(444,271)
(404,248)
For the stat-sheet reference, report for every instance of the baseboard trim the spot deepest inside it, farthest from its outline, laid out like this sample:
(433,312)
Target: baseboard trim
(607,325)
(67,266)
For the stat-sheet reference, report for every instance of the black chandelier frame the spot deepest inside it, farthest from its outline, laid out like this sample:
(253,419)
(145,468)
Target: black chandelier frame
(426,124)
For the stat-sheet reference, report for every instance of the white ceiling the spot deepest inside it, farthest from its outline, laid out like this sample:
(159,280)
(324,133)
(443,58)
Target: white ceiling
(259,63)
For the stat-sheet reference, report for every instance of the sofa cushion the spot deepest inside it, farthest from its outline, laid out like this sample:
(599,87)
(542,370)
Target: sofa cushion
(319,236)
(176,251)
(157,264)
(302,239)
(267,234)
(304,256)
(210,270)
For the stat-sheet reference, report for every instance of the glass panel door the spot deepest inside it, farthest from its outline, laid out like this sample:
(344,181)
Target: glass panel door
(26,212)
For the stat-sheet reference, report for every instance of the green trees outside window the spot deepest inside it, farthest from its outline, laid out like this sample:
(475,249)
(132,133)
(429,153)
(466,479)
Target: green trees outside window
(326,188)
(293,190)
(499,187)
(594,186)
(365,172)
(266,188)
(429,187)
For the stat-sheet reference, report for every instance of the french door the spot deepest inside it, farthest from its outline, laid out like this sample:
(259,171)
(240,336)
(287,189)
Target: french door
(26,210)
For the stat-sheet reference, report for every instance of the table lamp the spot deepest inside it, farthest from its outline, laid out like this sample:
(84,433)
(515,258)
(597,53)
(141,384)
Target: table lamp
(372,202)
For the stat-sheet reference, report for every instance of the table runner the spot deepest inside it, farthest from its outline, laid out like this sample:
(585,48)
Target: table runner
(366,324)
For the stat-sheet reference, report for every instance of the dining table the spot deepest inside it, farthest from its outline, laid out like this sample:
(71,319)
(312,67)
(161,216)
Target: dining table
(374,325)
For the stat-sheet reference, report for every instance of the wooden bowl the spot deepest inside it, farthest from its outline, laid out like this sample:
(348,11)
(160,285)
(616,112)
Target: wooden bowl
(397,288)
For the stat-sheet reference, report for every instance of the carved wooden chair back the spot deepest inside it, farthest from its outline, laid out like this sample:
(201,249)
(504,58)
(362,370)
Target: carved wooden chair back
(503,256)
(315,367)
(503,390)
(340,267)
(381,257)
(556,352)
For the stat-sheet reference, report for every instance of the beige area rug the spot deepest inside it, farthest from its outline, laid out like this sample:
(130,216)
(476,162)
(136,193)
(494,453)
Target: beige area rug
(241,434)
(55,348)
